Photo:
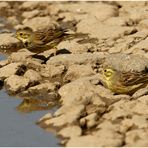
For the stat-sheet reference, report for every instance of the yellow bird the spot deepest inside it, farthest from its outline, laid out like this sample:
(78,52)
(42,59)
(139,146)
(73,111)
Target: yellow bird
(124,82)
(40,40)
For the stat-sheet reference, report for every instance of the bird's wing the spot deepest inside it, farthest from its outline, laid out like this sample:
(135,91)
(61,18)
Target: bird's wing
(39,37)
(45,36)
(133,78)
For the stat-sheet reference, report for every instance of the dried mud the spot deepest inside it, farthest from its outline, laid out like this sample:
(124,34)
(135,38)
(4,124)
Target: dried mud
(88,114)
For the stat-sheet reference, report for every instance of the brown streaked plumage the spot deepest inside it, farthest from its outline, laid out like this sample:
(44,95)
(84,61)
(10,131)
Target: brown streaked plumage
(40,40)
(124,82)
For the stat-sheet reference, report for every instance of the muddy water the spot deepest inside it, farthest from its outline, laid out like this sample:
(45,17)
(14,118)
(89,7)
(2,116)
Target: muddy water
(19,129)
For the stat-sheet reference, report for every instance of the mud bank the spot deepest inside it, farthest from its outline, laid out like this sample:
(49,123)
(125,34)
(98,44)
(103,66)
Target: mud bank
(88,113)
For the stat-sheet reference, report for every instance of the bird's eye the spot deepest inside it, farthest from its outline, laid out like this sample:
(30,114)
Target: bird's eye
(21,34)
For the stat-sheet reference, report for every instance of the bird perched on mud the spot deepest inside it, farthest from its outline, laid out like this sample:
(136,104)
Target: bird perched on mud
(40,40)
(44,39)
(124,82)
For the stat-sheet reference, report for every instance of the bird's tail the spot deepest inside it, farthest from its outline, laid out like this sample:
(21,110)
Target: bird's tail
(71,35)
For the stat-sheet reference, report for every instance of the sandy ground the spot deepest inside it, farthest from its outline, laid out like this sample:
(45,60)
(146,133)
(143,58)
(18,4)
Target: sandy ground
(88,114)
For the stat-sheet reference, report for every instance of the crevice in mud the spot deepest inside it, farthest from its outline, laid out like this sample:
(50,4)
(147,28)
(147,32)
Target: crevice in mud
(1,84)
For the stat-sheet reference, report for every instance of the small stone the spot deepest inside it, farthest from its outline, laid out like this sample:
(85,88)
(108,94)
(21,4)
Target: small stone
(9,70)
(141,106)
(29,5)
(13,20)
(140,121)
(104,138)
(117,21)
(42,91)
(53,71)
(115,139)
(117,112)
(7,41)
(78,71)
(126,125)
(69,59)
(144,24)
(37,23)
(108,125)
(73,46)
(45,117)
(15,84)
(137,137)
(4,63)
(2,25)
(4,5)
(33,76)
(114,50)
(66,115)
(90,120)
(71,131)
(80,92)
(30,14)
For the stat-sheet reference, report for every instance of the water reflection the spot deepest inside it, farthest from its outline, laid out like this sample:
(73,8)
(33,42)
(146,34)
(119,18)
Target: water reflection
(30,104)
